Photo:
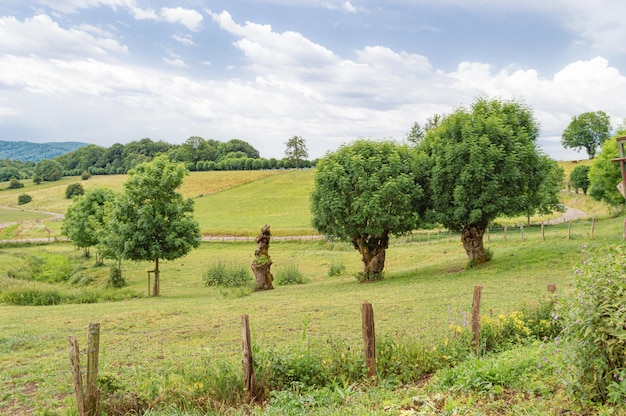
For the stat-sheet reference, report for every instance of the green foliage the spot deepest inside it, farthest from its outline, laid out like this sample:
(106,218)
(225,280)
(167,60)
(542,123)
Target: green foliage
(594,334)
(116,279)
(24,199)
(85,220)
(605,175)
(15,184)
(296,150)
(587,131)
(74,189)
(85,175)
(49,170)
(31,297)
(289,274)
(45,267)
(228,274)
(337,267)
(579,178)
(151,220)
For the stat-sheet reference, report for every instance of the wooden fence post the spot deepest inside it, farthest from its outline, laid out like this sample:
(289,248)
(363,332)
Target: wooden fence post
(624,230)
(476,318)
(249,379)
(593,227)
(369,338)
(488,234)
(569,230)
(87,394)
(92,393)
(76,375)
(505,232)
(543,232)
(521,230)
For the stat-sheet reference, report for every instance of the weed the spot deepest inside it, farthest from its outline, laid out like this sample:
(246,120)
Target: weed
(337,267)
(229,274)
(289,274)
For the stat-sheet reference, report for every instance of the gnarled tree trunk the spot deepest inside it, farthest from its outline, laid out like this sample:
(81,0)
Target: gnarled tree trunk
(373,251)
(472,239)
(262,262)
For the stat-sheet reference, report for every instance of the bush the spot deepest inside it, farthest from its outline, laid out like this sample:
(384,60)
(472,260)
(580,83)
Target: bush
(289,275)
(229,274)
(115,278)
(15,184)
(24,199)
(337,267)
(85,175)
(594,334)
(74,189)
(32,297)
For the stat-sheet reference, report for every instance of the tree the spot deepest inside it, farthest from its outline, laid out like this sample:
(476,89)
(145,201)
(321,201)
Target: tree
(484,163)
(152,221)
(86,218)
(296,150)
(365,192)
(587,131)
(74,189)
(579,178)
(235,145)
(543,191)
(49,170)
(605,175)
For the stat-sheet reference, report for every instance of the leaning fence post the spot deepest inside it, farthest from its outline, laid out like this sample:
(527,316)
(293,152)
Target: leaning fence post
(593,227)
(249,379)
(476,318)
(76,376)
(369,338)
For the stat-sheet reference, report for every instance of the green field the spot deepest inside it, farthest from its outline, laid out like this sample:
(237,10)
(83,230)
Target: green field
(160,347)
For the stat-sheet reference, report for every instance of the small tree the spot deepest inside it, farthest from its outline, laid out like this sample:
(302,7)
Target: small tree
(579,178)
(74,189)
(152,221)
(15,184)
(365,192)
(296,150)
(48,170)
(24,199)
(605,175)
(587,131)
(484,163)
(86,218)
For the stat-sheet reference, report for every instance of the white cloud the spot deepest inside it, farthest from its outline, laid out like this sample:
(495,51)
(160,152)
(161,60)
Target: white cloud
(349,7)
(177,62)
(184,39)
(41,36)
(189,18)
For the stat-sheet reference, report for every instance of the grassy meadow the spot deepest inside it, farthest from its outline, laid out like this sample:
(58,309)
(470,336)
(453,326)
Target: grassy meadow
(164,351)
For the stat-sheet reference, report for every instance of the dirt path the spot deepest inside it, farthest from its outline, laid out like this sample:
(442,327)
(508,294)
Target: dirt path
(569,214)
(54,216)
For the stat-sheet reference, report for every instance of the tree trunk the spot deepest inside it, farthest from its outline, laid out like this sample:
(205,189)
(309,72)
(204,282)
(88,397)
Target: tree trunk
(472,239)
(155,285)
(263,262)
(373,251)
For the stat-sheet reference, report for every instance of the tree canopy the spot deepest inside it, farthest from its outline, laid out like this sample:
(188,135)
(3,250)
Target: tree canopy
(605,175)
(484,163)
(579,178)
(587,131)
(151,220)
(364,192)
(296,150)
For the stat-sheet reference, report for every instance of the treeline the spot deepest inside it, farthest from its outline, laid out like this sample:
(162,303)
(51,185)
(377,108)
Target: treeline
(15,169)
(196,153)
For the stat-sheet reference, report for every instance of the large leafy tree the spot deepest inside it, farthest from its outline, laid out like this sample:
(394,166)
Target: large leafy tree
(484,164)
(543,192)
(579,178)
(364,193)
(49,170)
(151,220)
(85,219)
(296,150)
(605,175)
(587,131)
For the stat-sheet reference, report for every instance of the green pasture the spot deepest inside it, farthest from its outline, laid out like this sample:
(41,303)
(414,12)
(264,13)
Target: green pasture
(426,289)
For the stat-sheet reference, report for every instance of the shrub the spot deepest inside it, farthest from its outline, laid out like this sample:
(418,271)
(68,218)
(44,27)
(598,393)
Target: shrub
(222,273)
(289,275)
(594,333)
(31,297)
(24,199)
(74,189)
(337,267)
(85,175)
(15,184)
(115,277)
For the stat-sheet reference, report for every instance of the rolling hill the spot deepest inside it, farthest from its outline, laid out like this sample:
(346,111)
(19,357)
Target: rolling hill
(34,152)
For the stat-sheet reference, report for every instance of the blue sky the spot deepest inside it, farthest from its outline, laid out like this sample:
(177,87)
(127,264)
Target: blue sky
(331,71)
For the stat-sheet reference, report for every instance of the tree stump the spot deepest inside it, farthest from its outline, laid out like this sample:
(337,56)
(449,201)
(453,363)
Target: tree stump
(262,262)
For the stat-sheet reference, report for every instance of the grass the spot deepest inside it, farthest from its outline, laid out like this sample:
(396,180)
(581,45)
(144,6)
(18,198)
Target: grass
(426,288)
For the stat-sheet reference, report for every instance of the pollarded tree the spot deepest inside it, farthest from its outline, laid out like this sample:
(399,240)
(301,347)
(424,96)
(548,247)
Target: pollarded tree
(364,193)
(484,164)
(86,218)
(296,150)
(587,131)
(152,221)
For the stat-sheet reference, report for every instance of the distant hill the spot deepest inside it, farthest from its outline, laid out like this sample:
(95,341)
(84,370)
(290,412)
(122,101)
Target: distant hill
(34,152)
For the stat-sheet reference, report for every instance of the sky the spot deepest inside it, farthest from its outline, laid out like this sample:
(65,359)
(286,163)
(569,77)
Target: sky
(330,71)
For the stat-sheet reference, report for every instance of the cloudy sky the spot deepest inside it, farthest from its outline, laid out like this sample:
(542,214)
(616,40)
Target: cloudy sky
(331,71)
